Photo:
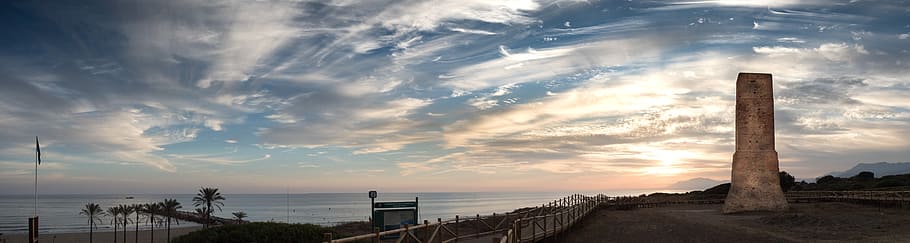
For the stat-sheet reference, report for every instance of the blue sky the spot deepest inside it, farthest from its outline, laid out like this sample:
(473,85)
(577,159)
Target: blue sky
(337,96)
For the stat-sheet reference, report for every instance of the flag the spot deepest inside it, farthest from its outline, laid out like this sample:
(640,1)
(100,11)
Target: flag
(38,149)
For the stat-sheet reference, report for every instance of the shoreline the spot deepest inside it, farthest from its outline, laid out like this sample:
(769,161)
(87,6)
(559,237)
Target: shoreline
(104,236)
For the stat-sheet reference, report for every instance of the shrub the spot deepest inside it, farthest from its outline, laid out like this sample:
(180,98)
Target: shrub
(721,189)
(826,179)
(261,232)
(864,176)
(890,182)
(786,181)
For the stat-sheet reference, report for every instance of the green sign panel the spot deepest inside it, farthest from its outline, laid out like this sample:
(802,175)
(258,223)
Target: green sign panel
(395,205)
(393,215)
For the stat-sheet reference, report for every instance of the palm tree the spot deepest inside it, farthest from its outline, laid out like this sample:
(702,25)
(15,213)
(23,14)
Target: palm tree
(137,208)
(208,197)
(151,209)
(239,216)
(200,213)
(170,206)
(93,212)
(114,212)
(126,210)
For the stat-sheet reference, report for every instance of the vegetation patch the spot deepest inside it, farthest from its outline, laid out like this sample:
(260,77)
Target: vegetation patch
(261,232)
(863,181)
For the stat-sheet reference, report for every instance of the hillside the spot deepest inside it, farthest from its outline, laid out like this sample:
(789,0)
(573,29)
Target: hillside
(880,169)
(695,184)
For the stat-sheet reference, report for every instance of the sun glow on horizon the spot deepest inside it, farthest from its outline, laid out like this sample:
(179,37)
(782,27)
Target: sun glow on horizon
(668,162)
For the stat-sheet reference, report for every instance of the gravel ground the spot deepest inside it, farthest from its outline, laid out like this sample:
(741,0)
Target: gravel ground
(810,222)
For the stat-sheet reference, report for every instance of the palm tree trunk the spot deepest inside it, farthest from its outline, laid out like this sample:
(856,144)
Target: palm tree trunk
(115,229)
(169,227)
(152,231)
(90,231)
(137,227)
(124,227)
(208,213)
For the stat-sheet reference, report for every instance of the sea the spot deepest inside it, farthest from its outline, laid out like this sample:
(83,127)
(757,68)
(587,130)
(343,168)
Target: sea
(60,213)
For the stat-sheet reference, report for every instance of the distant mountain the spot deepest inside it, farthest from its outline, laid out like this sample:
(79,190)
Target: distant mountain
(696,184)
(880,169)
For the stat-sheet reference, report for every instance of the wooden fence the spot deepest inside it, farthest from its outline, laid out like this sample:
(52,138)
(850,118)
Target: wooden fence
(562,215)
(569,209)
(553,218)
(882,198)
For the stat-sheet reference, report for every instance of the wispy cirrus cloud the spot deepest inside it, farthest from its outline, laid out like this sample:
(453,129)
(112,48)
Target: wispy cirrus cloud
(640,92)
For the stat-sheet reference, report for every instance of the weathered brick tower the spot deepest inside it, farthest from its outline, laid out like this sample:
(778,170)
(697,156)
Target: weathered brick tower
(755,183)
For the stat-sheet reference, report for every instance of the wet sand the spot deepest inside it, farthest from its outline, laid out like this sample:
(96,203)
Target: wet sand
(811,222)
(105,237)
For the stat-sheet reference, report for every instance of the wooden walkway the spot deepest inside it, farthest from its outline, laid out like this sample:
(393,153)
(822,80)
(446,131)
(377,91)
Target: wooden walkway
(555,218)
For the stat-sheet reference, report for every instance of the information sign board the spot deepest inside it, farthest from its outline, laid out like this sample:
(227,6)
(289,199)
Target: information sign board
(395,205)
(393,215)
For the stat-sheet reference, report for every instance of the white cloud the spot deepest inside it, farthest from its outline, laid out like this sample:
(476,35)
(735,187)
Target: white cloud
(368,85)
(121,135)
(393,109)
(625,121)
(504,90)
(790,40)
(282,118)
(483,103)
(306,165)
(586,102)
(834,51)
(470,31)
(220,159)
(760,3)
(251,38)
(214,124)
(429,15)
(366,128)
(776,50)
(409,17)
(831,51)
(534,65)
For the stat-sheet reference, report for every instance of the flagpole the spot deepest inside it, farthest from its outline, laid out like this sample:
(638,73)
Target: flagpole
(37,160)
(288,191)
(36,189)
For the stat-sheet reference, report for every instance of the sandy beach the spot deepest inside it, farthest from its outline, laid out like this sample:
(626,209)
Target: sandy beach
(144,236)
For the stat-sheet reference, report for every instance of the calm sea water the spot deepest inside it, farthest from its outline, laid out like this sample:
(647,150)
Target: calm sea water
(60,213)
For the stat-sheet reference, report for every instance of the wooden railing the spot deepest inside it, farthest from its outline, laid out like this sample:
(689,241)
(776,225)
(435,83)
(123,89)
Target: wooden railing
(460,227)
(553,218)
(901,198)
(563,214)
(533,229)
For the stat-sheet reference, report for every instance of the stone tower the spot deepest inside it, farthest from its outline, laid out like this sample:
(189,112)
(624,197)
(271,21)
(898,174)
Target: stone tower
(755,183)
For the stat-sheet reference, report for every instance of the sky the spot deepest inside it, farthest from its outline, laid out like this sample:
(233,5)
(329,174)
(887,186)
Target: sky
(437,96)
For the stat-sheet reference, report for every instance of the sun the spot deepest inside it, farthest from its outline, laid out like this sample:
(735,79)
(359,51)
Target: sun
(667,162)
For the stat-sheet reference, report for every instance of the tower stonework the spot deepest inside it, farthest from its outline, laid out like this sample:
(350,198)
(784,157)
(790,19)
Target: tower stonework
(755,183)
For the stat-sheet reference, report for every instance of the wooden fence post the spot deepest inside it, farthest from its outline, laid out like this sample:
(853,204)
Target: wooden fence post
(456,228)
(544,227)
(327,237)
(426,230)
(518,230)
(533,230)
(404,234)
(554,226)
(376,235)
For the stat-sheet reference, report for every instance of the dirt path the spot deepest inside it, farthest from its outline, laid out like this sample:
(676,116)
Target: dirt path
(818,222)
